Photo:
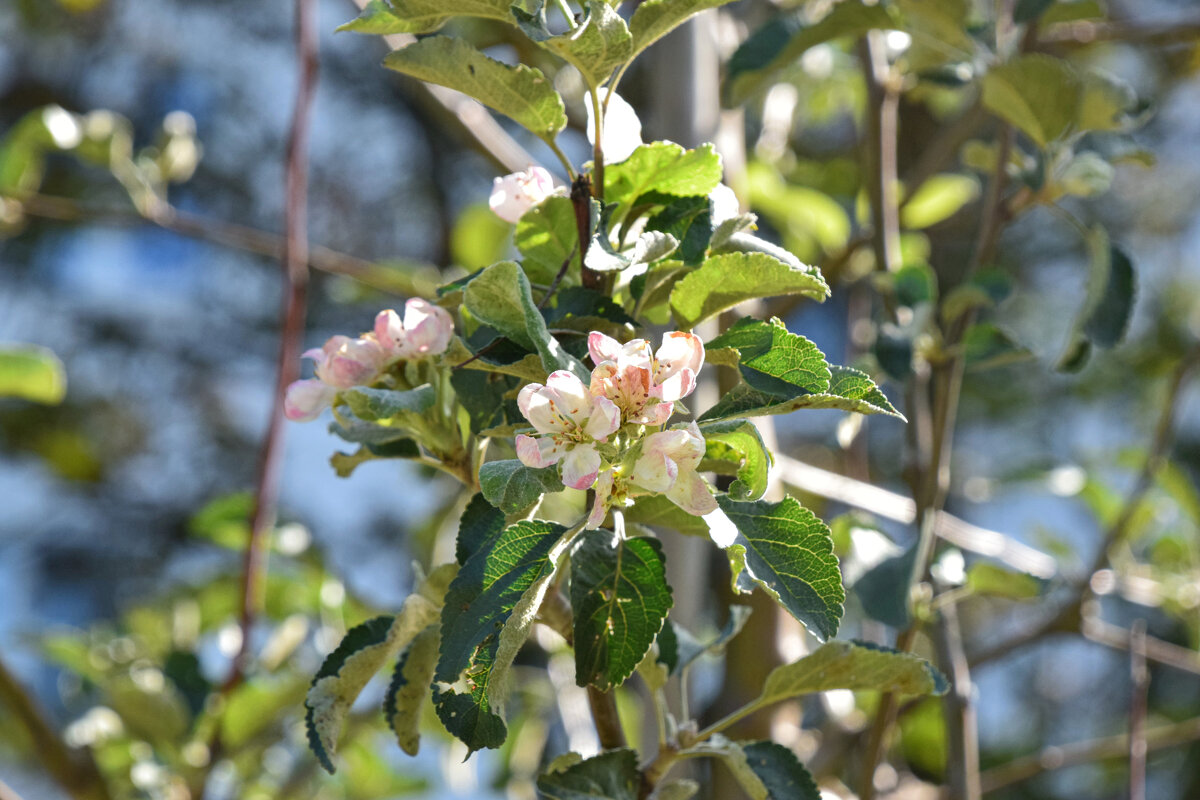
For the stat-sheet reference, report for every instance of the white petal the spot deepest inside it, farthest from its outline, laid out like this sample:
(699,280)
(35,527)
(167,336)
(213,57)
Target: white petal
(721,528)
(600,506)
(605,419)
(542,412)
(305,400)
(602,348)
(655,472)
(538,453)
(427,327)
(692,494)
(580,466)
(571,397)
(622,128)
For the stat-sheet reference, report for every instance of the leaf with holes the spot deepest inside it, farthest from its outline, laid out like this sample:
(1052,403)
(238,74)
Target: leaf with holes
(409,687)
(620,597)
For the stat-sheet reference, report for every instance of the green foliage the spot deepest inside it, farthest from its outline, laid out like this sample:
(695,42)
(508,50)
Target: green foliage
(786,550)
(409,688)
(1105,314)
(938,199)
(620,596)
(736,447)
(32,373)
(611,776)
(520,92)
(513,487)
(779,771)
(663,167)
(986,578)
(723,281)
(856,666)
(547,236)
(379,17)
(598,45)
(654,19)
(678,648)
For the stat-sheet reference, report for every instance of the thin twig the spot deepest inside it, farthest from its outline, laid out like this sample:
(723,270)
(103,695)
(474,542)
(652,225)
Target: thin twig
(883,104)
(1076,753)
(295,272)
(604,715)
(8,793)
(1140,677)
(962,726)
(74,770)
(562,271)
(1081,32)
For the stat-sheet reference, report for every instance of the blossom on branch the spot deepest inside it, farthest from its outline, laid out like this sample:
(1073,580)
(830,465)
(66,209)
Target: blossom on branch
(513,195)
(645,385)
(571,421)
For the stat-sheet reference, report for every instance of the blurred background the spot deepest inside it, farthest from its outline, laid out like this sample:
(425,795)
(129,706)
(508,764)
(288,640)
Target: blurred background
(122,509)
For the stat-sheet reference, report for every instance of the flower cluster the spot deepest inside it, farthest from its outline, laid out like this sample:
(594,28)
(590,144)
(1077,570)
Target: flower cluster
(344,362)
(632,388)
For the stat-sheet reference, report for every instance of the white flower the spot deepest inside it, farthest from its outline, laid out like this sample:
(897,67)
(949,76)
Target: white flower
(571,421)
(622,132)
(668,466)
(515,194)
(425,331)
(644,385)
(305,400)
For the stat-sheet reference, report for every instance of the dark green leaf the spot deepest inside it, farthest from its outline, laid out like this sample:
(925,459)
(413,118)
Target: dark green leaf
(482,395)
(883,590)
(723,281)
(684,648)
(520,92)
(986,346)
(409,687)
(736,447)
(781,773)
(1105,315)
(771,359)
(481,524)
(513,487)
(373,405)
(344,464)
(609,776)
(689,220)
(786,550)
(620,598)
(1029,10)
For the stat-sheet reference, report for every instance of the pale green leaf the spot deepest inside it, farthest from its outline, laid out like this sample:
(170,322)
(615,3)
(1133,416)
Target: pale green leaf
(379,17)
(547,235)
(600,43)
(735,447)
(1037,93)
(663,167)
(405,405)
(520,92)
(32,373)
(848,665)
(986,578)
(654,19)
(425,13)
(409,687)
(938,199)
(723,281)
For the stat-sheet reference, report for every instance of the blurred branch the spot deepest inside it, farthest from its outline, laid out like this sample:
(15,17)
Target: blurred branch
(467,117)
(604,715)
(7,792)
(962,728)
(1097,630)
(208,229)
(1071,755)
(1080,32)
(74,770)
(882,120)
(899,508)
(1140,677)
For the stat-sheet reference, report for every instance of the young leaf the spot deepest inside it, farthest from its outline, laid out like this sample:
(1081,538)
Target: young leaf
(1105,314)
(684,648)
(600,43)
(424,11)
(409,687)
(344,464)
(1037,93)
(500,297)
(723,281)
(609,776)
(32,373)
(786,550)
(654,19)
(512,487)
(883,589)
(736,447)
(620,597)
(849,390)
(479,603)
(986,578)
(663,167)
(362,653)
(780,772)
(379,17)
(520,92)
(547,235)
(772,359)
(373,405)
(851,665)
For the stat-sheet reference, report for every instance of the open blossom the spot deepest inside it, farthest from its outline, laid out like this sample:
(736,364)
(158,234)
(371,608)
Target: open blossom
(644,385)
(343,362)
(570,420)
(668,466)
(515,194)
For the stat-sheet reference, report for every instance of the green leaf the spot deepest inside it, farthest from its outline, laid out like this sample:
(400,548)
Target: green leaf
(620,597)
(513,487)
(362,653)
(780,772)
(1104,317)
(938,199)
(654,19)
(425,12)
(478,605)
(344,464)
(849,390)
(600,43)
(986,346)
(378,17)
(987,578)
(851,665)
(32,373)
(409,687)
(736,447)
(478,528)
(501,298)
(786,550)
(656,511)
(373,405)
(360,431)
(772,359)
(1029,10)
(784,39)
(520,92)
(676,789)
(883,590)
(723,281)
(609,776)
(547,235)
(1037,93)
(663,167)
(1105,103)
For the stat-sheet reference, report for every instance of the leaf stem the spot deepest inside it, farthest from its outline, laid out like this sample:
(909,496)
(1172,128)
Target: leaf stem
(562,157)
(598,146)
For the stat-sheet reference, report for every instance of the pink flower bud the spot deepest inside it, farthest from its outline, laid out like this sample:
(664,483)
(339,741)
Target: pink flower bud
(305,400)
(350,362)
(426,330)
(515,194)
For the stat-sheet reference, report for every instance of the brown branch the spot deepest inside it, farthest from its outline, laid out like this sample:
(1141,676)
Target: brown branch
(883,105)
(1076,753)
(74,770)
(604,715)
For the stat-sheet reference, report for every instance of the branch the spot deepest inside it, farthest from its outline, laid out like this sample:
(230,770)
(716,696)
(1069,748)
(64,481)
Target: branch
(604,715)
(467,117)
(73,770)
(1071,755)
(1140,677)
(883,104)
(962,725)
(1080,32)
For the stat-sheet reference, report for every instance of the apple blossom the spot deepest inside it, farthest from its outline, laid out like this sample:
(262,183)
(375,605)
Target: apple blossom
(425,331)
(344,362)
(668,464)
(570,420)
(643,384)
(306,399)
(515,194)
(622,132)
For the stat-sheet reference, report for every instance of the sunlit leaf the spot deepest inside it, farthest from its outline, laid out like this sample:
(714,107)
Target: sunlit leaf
(938,199)
(409,687)
(723,281)
(379,17)
(736,447)
(654,19)
(597,45)
(32,373)
(663,167)
(851,665)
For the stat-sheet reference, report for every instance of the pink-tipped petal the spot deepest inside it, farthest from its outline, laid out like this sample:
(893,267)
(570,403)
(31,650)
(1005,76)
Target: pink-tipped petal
(538,453)
(515,194)
(580,466)
(305,400)
(692,494)
(681,350)
(571,396)
(676,387)
(604,485)
(525,396)
(602,348)
(389,330)
(605,419)
(655,472)
(656,414)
